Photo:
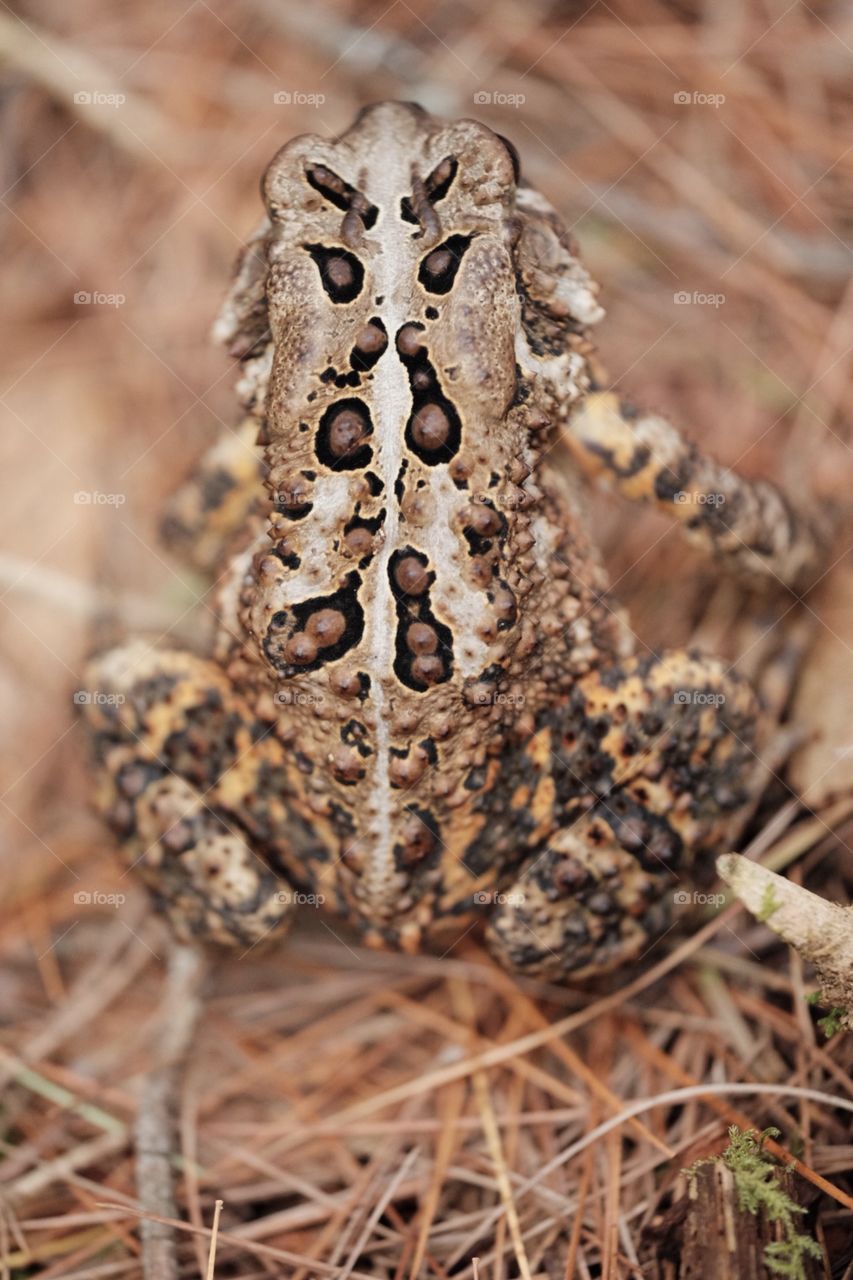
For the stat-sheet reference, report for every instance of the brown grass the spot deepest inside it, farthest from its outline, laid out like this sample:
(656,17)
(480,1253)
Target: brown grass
(363,1114)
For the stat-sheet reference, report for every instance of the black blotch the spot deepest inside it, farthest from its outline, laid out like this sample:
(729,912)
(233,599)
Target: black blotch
(288,558)
(442,281)
(364,360)
(493,674)
(476,779)
(419,364)
(215,486)
(288,622)
(521,390)
(667,482)
(505,623)
(432,839)
(134,777)
(435,190)
(286,506)
(417,609)
(399,483)
(338,192)
(359,457)
(354,734)
(479,544)
(337,292)
(342,820)
(431,313)
(374,484)
(372,524)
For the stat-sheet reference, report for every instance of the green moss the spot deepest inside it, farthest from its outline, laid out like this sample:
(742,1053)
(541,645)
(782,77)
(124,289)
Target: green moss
(769,904)
(833,1021)
(759,1190)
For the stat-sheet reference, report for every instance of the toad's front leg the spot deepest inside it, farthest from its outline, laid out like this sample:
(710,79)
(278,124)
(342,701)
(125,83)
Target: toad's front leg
(750,525)
(192,784)
(655,766)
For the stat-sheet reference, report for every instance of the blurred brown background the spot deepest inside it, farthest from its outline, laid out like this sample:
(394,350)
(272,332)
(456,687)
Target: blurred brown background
(702,152)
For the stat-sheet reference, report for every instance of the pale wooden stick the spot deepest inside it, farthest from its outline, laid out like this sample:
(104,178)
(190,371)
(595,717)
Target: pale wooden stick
(821,931)
(155,1128)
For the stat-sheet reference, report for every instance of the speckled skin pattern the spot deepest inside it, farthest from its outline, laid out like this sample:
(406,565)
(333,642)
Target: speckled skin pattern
(422,706)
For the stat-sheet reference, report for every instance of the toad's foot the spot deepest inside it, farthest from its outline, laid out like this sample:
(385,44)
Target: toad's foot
(664,771)
(181,771)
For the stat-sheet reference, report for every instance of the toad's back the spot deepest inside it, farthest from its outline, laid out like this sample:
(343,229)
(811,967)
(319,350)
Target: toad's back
(409,322)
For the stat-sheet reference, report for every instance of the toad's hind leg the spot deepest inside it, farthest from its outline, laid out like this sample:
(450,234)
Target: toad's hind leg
(654,765)
(218,500)
(192,786)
